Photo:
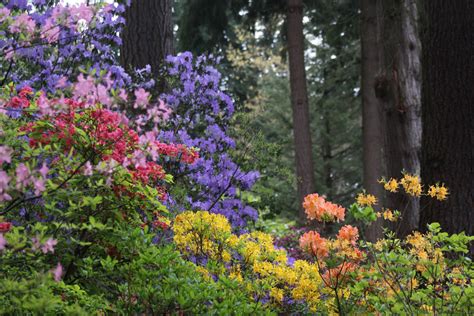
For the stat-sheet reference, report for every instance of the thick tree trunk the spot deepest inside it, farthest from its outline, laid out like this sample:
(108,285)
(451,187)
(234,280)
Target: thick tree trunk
(399,91)
(299,102)
(372,118)
(148,34)
(448,113)
(391,94)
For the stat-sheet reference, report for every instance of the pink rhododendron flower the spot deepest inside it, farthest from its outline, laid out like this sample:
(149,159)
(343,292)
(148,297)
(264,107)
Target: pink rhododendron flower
(103,96)
(59,13)
(5,154)
(36,243)
(165,110)
(61,83)
(23,22)
(44,105)
(9,54)
(58,272)
(50,31)
(123,95)
(81,12)
(22,176)
(159,113)
(88,171)
(139,158)
(4,13)
(3,242)
(141,98)
(84,86)
(39,185)
(48,246)
(4,179)
(44,170)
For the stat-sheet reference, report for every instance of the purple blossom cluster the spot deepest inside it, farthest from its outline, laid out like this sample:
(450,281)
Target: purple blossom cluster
(201,116)
(46,47)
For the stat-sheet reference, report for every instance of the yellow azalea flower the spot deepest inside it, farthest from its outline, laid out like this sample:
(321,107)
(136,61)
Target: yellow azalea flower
(226,256)
(379,245)
(263,268)
(233,240)
(411,184)
(235,275)
(422,255)
(388,215)
(417,240)
(391,185)
(276,294)
(438,192)
(201,233)
(366,199)
(281,257)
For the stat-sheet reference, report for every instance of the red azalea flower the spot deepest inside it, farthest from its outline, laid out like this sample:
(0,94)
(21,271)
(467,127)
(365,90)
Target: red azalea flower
(5,227)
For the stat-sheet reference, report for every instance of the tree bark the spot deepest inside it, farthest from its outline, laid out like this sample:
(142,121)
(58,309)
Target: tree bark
(399,91)
(372,118)
(299,103)
(391,96)
(148,34)
(448,113)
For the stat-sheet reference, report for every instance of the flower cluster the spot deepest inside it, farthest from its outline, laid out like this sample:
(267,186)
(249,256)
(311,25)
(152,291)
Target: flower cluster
(438,192)
(398,275)
(202,234)
(366,199)
(75,140)
(343,250)
(201,114)
(412,186)
(317,208)
(251,259)
(80,41)
(64,36)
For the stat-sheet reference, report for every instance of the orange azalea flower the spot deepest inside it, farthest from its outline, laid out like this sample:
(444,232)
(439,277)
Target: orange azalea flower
(315,244)
(349,233)
(334,277)
(336,211)
(316,207)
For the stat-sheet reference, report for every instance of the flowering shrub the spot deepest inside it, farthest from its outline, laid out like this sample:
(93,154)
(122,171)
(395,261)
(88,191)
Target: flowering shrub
(422,274)
(200,117)
(45,46)
(89,190)
(251,259)
(81,42)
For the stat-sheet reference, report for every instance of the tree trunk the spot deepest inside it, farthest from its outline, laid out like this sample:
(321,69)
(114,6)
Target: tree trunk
(448,113)
(391,94)
(372,119)
(399,91)
(299,103)
(148,34)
